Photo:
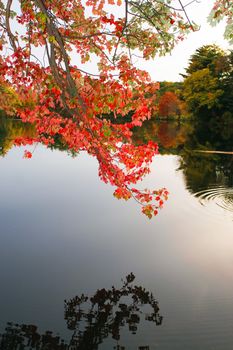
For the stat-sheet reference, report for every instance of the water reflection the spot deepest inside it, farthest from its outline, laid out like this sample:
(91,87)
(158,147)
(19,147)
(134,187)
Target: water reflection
(170,135)
(10,130)
(209,177)
(45,239)
(91,319)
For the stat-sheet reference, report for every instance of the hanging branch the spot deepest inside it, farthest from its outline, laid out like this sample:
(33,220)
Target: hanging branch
(53,32)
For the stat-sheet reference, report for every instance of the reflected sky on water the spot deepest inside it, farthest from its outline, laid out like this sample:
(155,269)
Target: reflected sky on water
(63,233)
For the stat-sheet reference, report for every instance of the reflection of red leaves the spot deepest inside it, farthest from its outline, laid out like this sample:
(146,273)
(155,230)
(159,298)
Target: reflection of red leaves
(27,154)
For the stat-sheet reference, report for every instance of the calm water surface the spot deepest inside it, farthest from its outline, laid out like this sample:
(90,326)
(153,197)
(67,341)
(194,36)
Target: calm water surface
(63,234)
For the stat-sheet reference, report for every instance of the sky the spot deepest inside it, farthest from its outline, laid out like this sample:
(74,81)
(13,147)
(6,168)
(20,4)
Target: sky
(169,67)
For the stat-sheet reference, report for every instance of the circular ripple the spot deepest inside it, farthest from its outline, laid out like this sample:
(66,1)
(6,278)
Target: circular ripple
(221,197)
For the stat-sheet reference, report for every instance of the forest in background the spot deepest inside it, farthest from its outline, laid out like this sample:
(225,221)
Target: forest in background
(206,89)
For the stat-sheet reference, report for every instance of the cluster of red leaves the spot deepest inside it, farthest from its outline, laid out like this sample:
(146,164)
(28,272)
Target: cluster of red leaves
(151,201)
(27,154)
(80,109)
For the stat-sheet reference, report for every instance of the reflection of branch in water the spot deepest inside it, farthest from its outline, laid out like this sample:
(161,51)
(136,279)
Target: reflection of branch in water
(17,337)
(92,319)
(107,313)
(212,152)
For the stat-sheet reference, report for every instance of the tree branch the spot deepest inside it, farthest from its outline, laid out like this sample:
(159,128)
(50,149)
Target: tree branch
(8,28)
(54,32)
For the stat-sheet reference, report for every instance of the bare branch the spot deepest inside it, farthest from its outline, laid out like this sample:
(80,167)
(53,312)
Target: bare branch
(8,28)
(186,15)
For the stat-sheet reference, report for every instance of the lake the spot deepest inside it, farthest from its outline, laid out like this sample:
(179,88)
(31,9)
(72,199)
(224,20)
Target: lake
(63,234)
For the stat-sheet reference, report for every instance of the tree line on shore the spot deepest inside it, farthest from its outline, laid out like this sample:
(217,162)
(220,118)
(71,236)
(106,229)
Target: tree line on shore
(206,89)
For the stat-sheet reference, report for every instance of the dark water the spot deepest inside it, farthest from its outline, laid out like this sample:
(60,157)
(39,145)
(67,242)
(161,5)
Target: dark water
(63,234)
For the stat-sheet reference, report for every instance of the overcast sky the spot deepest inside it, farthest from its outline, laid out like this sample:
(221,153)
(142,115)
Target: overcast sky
(169,67)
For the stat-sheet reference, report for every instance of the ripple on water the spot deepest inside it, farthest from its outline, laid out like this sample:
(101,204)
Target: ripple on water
(217,200)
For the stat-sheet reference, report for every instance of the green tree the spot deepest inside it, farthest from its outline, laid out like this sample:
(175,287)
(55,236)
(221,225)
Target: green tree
(226,81)
(202,91)
(208,84)
(206,56)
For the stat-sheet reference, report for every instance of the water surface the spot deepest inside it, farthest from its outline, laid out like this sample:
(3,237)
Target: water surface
(63,234)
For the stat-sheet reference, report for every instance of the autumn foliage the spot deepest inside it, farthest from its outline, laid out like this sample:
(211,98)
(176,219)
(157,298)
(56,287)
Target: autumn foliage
(44,46)
(169,105)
